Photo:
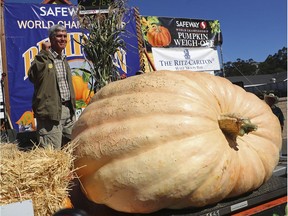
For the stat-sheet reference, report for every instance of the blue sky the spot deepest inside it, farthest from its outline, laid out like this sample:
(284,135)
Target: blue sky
(251,28)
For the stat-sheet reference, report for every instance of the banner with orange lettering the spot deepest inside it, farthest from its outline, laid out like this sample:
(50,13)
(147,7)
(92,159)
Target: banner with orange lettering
(26,28)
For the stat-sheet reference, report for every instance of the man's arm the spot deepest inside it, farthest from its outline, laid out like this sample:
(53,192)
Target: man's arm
(37,67)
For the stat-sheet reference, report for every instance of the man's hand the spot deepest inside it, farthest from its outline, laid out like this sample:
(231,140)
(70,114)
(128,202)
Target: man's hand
(46,46)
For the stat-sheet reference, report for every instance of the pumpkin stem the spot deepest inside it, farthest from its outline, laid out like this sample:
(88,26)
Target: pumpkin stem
(234,126)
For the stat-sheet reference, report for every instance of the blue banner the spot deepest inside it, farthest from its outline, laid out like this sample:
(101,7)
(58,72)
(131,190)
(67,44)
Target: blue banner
(26,28)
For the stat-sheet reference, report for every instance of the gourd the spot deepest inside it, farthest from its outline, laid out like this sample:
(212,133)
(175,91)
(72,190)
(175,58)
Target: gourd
(170,139)
(158,36)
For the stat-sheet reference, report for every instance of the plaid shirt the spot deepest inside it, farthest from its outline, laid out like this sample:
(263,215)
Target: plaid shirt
(61,75)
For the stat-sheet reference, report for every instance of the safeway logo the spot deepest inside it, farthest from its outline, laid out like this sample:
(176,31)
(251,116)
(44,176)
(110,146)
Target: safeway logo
(203,25)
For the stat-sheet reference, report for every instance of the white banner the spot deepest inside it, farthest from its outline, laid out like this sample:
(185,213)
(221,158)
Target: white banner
(194,59)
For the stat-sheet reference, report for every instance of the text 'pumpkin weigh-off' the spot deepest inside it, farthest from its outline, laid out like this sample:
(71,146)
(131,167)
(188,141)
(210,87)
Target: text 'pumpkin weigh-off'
(170,139)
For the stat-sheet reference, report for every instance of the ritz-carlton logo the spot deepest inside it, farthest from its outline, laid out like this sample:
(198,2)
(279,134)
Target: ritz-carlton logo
(186,54)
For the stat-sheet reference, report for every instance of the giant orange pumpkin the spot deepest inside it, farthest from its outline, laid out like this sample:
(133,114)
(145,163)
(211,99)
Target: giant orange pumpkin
(174,140)
(158,36)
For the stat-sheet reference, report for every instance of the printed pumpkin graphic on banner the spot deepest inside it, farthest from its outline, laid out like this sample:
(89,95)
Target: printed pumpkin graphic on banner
(26,122)
(83,92)
(156,34)
(78,85)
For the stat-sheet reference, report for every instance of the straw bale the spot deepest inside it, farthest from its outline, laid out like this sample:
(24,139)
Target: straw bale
(43,175)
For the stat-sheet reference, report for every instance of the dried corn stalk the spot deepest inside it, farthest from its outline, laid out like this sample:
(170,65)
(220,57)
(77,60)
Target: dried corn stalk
(101,40)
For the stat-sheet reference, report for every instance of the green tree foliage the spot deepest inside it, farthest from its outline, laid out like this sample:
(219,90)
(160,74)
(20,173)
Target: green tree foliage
(240,68)
(273,64)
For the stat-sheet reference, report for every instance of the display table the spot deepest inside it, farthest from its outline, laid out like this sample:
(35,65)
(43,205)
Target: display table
(274,190)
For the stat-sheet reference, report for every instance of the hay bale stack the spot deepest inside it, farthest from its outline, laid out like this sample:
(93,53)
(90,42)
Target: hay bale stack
(43,175)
